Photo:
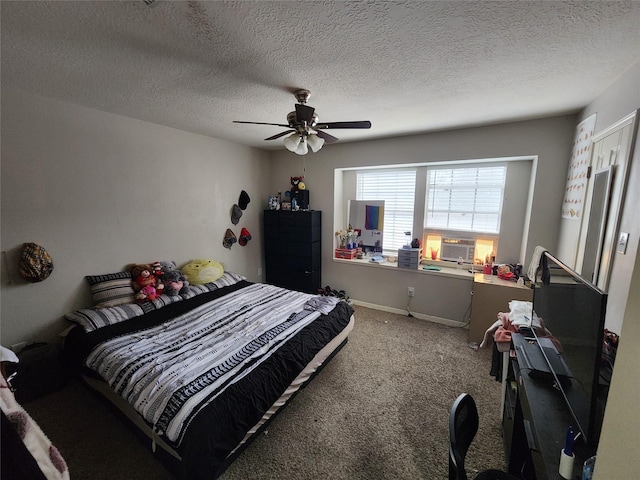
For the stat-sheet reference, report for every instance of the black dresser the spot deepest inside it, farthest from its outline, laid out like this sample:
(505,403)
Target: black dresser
(292,249)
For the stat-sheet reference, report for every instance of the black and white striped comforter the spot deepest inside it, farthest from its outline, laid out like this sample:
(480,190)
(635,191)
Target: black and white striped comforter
(169,372)
(203,371)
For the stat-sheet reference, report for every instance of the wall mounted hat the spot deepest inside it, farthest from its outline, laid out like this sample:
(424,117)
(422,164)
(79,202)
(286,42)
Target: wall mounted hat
(244,200)
(236,213)
(229,239)
(245,236)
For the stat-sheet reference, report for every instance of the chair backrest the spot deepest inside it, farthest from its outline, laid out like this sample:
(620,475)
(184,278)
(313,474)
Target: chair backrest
(463,425)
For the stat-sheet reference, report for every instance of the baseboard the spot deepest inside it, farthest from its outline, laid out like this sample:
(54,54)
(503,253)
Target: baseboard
(421,316)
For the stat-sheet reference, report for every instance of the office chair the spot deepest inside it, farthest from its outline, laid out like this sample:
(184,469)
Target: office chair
(463,425)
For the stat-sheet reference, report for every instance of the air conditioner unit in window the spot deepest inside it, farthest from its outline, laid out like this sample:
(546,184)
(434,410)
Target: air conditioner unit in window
(454,248)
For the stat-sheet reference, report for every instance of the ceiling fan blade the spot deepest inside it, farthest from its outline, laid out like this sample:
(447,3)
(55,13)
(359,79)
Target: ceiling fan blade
(281,134)
(361,124)
(326,137)
(263,123)
(304,113)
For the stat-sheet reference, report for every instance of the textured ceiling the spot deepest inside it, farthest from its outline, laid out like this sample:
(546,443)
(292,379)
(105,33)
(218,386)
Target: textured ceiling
(407,66)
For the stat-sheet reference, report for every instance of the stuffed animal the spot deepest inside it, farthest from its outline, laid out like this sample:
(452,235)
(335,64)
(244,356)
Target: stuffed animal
(174,282)
(157,270)
(167,266)
(199,272)
(167,269)
(142,275)
(295,182)
(146,294)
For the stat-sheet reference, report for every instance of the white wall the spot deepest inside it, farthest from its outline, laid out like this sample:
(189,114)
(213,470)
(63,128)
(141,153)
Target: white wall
(549,139)
(100,191)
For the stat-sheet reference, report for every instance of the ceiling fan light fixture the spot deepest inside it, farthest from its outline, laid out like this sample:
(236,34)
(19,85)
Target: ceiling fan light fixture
(304,120)
(302,149)
(315,142)
(292,142)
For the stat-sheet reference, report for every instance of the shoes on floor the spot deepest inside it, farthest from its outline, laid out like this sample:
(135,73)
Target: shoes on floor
(330,292)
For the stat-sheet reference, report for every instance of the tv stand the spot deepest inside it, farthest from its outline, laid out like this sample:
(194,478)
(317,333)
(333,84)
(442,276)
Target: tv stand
(535,419)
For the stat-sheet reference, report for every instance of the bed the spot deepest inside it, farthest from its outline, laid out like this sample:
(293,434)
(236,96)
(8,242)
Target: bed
(201,373)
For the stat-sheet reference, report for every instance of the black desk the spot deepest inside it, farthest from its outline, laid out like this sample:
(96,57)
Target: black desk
(535,422)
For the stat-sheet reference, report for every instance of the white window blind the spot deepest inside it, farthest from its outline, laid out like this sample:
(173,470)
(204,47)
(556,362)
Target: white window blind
(397,189)
(465,198)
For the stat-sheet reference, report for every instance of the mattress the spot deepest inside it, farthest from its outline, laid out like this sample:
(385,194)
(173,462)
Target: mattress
(201,376)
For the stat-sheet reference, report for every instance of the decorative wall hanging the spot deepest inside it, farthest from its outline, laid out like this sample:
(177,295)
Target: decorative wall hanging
(576,188)
(35,263)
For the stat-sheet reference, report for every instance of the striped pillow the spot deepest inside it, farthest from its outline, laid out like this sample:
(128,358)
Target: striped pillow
(94,318)
(164,300)
(227,279)
(111,289)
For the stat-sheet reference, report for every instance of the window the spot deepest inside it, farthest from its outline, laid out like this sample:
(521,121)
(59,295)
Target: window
(481,199)
(397,189)
(467,199)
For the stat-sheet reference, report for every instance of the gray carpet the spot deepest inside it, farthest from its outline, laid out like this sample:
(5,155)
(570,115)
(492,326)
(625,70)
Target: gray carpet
(378,410)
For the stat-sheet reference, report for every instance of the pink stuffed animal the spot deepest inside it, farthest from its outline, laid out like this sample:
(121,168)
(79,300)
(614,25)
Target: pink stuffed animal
(146,294)
(143,276)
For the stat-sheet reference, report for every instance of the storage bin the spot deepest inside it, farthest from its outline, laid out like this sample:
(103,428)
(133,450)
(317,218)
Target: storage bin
(409,258)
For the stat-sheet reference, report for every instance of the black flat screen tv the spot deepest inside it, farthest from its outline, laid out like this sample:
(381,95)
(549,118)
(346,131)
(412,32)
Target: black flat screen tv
(573,310)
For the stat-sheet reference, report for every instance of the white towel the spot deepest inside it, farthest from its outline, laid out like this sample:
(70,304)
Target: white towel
(535,262)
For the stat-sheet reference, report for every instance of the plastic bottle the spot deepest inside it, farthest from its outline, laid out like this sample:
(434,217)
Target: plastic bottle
(460,262)
(587,469)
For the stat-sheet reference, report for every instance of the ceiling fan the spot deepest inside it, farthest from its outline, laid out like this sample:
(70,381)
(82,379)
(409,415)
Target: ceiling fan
(306,131)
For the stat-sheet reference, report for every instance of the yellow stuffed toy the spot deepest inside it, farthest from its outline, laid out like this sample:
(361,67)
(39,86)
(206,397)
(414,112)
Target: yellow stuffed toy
(201,271)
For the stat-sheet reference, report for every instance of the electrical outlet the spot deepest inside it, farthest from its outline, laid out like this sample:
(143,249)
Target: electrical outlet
(259,271)
(622,243)
(411,292)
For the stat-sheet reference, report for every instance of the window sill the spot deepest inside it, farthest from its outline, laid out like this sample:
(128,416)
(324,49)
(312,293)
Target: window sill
(445,271)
